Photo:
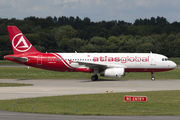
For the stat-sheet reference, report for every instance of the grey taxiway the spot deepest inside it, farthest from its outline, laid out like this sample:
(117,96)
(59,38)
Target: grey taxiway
(53,87)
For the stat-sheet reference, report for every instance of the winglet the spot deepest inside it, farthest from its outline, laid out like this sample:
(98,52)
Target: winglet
(20,43)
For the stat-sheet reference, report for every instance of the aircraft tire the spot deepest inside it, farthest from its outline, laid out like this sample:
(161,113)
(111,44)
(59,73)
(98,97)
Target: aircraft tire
(153,78)
(94,77)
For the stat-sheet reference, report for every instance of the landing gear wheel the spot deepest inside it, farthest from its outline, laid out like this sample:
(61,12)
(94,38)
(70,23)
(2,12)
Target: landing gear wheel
(94,77)
(153,78)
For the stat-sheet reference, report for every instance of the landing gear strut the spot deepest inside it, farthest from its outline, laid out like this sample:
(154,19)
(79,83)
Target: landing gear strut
(95,77)
(152,76)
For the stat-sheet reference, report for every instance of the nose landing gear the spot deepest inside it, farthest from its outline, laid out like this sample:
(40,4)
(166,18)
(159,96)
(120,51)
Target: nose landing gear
(152,76)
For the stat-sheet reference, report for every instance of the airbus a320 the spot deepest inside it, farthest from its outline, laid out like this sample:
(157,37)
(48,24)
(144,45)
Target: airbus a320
(113,65)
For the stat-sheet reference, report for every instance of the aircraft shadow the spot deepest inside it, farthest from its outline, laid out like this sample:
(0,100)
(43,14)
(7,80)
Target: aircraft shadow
(21,79)
(104,80)
(85,80)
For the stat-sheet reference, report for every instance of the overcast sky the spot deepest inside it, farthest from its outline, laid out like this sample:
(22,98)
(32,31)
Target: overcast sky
(96,10)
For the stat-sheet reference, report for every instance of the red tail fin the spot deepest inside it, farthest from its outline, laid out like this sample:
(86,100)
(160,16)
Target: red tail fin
(19,42)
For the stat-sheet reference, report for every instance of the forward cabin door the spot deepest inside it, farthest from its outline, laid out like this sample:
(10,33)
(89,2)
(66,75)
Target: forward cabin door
(39,60)
(153,60)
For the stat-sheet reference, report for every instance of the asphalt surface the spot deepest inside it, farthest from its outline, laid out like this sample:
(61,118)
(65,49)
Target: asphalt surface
(4,115)
(53,87)
(50,87)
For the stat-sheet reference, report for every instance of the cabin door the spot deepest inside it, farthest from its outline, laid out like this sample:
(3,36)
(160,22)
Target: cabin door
(153,60)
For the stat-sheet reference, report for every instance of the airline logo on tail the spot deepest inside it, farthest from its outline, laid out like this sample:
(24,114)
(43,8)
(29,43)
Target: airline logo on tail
(19,43)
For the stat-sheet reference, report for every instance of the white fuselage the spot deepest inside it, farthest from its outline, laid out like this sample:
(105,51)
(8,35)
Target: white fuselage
(123,60)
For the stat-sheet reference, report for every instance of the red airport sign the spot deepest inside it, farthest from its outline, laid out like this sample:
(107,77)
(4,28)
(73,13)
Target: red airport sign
(135,98)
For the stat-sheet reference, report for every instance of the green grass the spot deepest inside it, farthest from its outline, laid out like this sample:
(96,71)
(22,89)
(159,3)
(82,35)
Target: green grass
(176,60)
(7,62)
(14,84)
(34,73)
(159,103)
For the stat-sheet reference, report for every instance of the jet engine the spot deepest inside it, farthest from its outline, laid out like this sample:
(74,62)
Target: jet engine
(113,72)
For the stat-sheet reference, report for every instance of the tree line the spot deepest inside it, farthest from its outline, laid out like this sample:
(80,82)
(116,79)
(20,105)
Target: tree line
(69,34)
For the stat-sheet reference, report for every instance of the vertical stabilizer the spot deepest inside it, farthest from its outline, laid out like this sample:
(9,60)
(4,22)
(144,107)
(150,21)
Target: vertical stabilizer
(19,42)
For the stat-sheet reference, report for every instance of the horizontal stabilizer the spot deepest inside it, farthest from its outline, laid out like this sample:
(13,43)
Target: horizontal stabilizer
(22,59)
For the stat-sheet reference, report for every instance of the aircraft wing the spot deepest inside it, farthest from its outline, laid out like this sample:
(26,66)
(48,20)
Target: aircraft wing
(22,59)
(94,65)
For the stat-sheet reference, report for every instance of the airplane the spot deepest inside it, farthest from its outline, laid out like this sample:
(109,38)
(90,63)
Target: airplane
(113,65)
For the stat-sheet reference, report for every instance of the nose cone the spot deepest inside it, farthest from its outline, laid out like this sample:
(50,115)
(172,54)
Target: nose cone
(173,65)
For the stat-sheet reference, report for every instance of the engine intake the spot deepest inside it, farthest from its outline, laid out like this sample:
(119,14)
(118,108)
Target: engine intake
(113,72)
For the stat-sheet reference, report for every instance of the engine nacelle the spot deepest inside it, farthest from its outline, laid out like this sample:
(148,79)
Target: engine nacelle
(113,72)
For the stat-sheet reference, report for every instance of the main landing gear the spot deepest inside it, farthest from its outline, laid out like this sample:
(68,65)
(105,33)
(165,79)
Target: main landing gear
(95,77)
(152,76)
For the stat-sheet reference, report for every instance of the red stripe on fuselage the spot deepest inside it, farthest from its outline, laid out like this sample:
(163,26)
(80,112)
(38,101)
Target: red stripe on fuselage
(57,55)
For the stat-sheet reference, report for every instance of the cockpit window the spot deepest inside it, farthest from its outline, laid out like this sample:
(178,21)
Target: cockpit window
(165,59)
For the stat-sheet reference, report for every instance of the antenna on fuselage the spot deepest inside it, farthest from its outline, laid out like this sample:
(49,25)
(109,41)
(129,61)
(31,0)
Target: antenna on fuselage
(75,52)
(150,52)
